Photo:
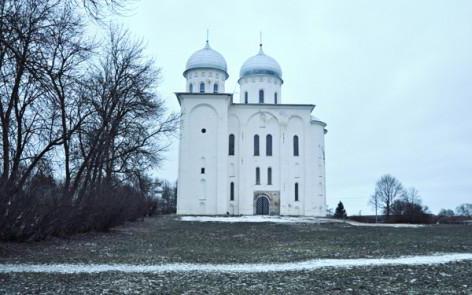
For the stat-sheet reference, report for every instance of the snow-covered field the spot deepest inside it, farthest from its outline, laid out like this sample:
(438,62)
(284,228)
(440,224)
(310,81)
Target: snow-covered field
(234,268)
(287,219)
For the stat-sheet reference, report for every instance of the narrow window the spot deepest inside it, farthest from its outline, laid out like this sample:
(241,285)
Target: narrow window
(215,88)
(190,88)
(202,87)
(269,145)
(231,191)
(296,191)
(256,145)
(246,97)
(258,175)
(261,96)
(269,176)
(275,97)
(231,145)
(202,171)
(295,145)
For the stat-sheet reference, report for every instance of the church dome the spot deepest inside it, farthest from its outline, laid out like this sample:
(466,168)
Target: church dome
(206,58)
(261,64)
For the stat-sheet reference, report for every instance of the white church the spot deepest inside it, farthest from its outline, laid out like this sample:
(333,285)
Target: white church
(250,156)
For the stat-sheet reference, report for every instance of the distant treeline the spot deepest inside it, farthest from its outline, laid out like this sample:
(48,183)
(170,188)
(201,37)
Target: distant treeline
(425,219)
(393,203)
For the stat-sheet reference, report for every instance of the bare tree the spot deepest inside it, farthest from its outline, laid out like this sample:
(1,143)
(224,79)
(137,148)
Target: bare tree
(98,9)
(67,53)
(387,189)
(375,203)
(28,121)
(120,138)
(168,200)
(32,35)
(79,127)
(464,210)
(408,208)
(412,196)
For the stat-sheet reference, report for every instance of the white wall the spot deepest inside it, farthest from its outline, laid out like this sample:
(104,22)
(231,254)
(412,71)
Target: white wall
(318,207)
(282,123)
(209,193)
(233,164)
(199,193)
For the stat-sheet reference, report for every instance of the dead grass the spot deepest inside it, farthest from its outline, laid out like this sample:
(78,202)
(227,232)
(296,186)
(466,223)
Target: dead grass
(165,239)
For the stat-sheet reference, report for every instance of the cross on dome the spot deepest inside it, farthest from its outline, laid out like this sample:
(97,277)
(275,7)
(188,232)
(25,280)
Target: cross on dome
(260,42)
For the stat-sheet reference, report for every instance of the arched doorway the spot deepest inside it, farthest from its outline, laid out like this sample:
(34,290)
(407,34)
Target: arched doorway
(262,205)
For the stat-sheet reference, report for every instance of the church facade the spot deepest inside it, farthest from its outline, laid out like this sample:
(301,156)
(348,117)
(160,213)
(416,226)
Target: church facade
(247,155)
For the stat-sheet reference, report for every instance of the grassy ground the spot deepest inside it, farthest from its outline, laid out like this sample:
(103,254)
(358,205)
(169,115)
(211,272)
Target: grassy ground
(165,239)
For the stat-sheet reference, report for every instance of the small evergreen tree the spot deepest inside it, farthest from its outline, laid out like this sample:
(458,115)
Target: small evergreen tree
(340,211)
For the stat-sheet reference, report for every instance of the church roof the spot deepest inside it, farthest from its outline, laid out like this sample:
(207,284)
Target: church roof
(206,58)
(315,120)
(261,64)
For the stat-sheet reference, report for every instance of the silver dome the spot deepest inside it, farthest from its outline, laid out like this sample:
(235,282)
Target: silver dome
(261,64)
(206,58)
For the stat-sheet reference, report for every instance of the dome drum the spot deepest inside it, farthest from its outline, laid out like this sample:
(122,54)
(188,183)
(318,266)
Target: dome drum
(260,80)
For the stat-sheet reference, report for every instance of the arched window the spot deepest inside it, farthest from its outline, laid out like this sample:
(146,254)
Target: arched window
(295,146)
(215,88)
(275,97)
(231,191)
(246,97)
(269,145)
(261,96)
(258,175)
(296,191)
(256,145)
(190,88)
(269,176)
(202,87)
(231,145)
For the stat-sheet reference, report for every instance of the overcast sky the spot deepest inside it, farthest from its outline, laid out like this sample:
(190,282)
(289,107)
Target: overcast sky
(392,79)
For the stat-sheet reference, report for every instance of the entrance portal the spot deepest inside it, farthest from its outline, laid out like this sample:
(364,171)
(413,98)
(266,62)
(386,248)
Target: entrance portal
(262,205)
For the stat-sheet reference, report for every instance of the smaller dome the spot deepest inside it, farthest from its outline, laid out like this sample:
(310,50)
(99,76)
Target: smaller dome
(261,64)
(206,58)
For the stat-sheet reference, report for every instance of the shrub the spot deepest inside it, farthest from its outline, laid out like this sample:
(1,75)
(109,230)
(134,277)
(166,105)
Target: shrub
(44,210)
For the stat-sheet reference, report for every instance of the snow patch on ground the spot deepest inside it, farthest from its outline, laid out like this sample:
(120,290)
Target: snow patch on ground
(355,223)
(251,218)
(287,219)
(234,268)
